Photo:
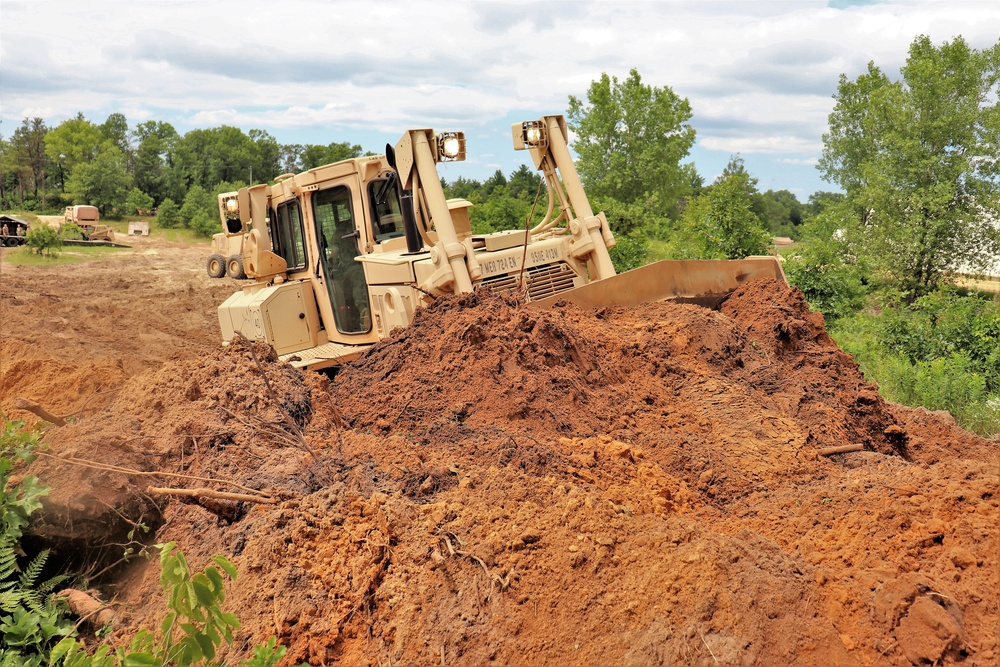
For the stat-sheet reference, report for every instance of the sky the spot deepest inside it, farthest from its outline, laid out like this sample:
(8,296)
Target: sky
(759,75)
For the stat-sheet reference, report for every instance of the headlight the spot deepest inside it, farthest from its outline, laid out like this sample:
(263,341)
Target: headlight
(451,146)
(530,134)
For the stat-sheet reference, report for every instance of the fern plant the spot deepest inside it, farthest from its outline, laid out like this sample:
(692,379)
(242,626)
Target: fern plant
(31,621)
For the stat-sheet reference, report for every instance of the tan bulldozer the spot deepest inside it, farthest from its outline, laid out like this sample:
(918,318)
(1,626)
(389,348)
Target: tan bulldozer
(343,254)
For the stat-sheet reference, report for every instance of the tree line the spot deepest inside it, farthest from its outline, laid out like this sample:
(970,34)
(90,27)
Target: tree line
(123,169)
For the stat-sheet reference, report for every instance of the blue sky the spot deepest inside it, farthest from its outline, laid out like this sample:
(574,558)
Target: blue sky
(759,74)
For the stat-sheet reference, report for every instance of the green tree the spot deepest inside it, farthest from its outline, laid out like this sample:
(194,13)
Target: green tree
(723,216)
(104,182)
(780,211)
(268,163)
(27,152)
(498,213)
(917,158)
(44,240)
(313,155)
(155,146)
(73,142)
(168,214)
(495,184)
(137,200)
(822,268)
(115,131)
(629,252)
(820,201)
(7,174)
(200,211)
(464,188)
(631,139)
(291,155)
(205,157)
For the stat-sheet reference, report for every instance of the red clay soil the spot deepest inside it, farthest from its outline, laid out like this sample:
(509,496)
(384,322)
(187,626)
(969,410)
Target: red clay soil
(498,484)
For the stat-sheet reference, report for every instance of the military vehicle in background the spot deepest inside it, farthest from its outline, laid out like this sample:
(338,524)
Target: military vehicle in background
(13,230)
(87,218)
(227,248)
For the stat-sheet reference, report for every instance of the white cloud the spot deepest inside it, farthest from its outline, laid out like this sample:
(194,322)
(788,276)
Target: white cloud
(762,145)
(759,75)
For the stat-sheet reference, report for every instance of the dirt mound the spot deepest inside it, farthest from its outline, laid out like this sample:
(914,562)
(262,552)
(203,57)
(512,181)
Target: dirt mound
(699,389)
(498,484)
(189,420)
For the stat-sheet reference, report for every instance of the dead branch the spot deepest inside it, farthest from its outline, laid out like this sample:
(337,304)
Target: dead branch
(87,607)
(39,411)
(85,463)
(292,426)
(209,493)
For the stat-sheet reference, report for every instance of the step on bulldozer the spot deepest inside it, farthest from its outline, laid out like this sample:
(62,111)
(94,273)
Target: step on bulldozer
(343,254)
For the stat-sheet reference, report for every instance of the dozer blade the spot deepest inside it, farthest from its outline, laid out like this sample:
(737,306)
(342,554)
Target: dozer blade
(703,281)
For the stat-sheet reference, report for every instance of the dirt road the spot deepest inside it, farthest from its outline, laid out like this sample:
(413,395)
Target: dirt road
(496,485)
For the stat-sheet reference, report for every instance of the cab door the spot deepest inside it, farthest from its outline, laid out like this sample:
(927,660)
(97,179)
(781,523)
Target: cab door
(338,238)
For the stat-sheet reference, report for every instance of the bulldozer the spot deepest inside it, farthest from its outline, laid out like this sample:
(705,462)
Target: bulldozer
(343,254)
(227,248)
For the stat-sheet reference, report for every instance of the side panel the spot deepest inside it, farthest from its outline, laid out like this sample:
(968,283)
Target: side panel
(83,213)
(393,307)
(290,318)
(284,316)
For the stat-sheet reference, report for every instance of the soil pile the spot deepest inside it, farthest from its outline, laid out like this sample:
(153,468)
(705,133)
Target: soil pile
(498,484)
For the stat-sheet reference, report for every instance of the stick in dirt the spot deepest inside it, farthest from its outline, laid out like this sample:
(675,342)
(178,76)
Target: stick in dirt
(209,493)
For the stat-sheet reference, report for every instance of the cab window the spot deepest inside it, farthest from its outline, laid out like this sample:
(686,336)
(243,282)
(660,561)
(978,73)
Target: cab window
(383,198)
(287,235)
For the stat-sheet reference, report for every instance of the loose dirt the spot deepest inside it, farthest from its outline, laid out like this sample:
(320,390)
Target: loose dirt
(503,485)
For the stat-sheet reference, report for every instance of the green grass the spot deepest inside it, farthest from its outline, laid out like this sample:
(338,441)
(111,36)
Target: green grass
(177,235)
(24,256)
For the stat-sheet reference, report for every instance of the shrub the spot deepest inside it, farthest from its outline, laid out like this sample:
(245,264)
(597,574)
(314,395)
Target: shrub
(70,231)
(198,202)
(829,284)
(44,240)
(192,632)
(944,323)
(137,200)
(203,224)
(629,252)
(952,381)
(31,621)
